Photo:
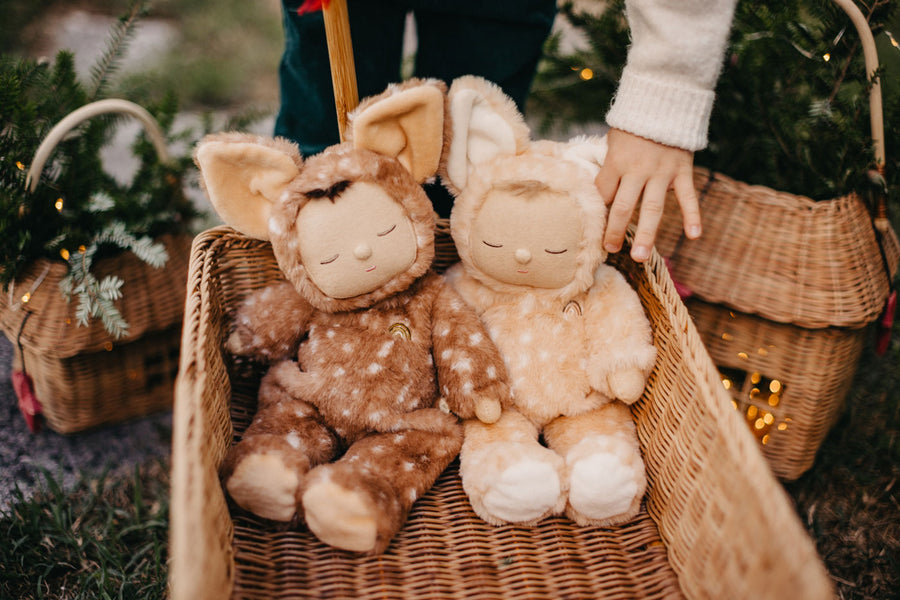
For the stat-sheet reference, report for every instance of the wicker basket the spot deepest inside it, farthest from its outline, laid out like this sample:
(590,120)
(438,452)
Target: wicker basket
(83,378)
(715,524)
(787,287)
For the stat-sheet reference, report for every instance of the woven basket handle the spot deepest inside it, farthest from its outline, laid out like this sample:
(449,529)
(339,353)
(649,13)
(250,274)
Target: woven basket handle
(86,112)
(870,53)
(340,57)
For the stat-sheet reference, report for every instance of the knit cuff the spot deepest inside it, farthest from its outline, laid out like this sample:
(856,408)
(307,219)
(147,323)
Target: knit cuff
(661,111)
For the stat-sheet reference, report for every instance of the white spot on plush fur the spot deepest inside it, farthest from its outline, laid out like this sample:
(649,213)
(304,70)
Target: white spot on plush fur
(330,333)
(491,372)
(274,225)
(293,439)
(339,372)
(374,369)
(347,347)
(475,339)
(443,406)
(408,466)
(446,354)
(468,388)
(463,365)
(385,349)
(443,332)
(413,495)
(345,412)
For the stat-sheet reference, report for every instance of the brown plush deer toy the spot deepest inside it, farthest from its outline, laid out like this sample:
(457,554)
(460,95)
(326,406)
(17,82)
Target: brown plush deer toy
(369,350)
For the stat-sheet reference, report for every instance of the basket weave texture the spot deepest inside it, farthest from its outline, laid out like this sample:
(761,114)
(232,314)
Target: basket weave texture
(783,288)
(82,377)
(782,256)
(715,523)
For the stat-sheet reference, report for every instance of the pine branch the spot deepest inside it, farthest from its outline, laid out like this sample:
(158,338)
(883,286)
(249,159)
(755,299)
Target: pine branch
(116,46)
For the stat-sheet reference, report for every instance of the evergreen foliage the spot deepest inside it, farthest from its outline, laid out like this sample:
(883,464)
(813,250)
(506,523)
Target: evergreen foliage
(791,106)
(78,211)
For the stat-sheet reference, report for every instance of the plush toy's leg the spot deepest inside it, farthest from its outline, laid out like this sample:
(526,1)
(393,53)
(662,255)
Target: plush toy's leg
(603,460)
(507,474)
(361,501)
(264,472)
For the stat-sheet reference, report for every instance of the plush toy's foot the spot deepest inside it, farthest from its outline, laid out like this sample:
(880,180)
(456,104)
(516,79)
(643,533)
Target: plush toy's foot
(606,481)
(515,483)
(264,485)
(340,517)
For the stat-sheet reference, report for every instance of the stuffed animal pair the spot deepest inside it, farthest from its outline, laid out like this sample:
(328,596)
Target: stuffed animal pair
(370,351)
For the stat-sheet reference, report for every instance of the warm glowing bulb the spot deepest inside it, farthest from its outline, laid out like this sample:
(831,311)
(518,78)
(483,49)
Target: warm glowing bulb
(64,253)
(893,41)
(826,57)
(59,204)
(586,74)
(20,166)
(26,298)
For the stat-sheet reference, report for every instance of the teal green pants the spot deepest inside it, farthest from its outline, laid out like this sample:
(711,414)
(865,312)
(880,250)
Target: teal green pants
(500,40)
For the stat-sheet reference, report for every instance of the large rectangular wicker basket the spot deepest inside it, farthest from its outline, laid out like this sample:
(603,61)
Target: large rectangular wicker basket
(715,523)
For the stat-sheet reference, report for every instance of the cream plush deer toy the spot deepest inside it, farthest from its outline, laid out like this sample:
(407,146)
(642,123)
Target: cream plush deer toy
(365,343)
(528,222)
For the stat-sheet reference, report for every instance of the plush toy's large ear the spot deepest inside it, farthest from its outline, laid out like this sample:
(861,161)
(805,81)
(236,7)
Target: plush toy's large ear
(484,123)
(245,176)
(406,123)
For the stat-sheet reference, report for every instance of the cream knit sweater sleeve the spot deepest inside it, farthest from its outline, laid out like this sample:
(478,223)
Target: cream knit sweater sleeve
(667,87)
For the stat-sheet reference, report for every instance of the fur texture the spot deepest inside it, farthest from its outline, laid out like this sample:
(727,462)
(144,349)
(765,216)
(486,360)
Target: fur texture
(574,352)
(354,418)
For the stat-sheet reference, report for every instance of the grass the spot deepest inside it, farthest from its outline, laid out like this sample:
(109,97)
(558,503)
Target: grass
(106,538)
(849,500)
(226,54)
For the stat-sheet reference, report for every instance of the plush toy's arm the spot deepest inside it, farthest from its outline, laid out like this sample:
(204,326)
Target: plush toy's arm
(270,323)
(471,372)
(464,285)
(620,341)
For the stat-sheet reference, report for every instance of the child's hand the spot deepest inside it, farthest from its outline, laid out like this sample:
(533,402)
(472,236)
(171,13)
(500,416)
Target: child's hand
(640,169)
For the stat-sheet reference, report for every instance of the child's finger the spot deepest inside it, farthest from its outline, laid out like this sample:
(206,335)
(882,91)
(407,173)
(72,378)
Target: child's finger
(690,208)
(652,205)
(627,195)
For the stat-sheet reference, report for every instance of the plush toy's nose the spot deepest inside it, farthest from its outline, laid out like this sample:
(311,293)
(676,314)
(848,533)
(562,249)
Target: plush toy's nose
(523,256)
(362,251)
